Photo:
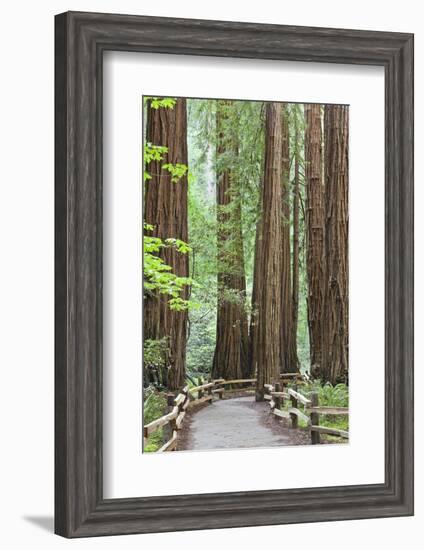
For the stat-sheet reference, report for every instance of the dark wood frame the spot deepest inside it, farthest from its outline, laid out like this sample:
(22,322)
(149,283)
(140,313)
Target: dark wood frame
(81,39)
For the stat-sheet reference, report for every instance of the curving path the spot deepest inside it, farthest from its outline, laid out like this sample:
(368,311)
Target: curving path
(234,423)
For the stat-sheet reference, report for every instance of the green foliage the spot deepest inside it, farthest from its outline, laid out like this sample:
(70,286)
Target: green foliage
(337,422)
(180,245)
(328,396)
(331,396)
(154,441)
(202,236)
(158,276)
(154,352)
(177,171)
(158,102)
(152,153)
(154,406)
(243,124)
(202,341)
(232,296)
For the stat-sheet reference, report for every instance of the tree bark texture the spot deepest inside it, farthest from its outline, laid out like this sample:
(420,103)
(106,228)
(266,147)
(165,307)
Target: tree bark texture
(253,328)
(296,206)
(289,361)
(270,288)
(166,210)
(314,233)
(335,354)
(231,350)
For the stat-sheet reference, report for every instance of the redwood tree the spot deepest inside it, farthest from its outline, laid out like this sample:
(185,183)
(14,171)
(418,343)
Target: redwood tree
(289,361)
(314,233)
(165,208)
(268,351)
(295,216)
(334,367)
(231,351)
(253,328)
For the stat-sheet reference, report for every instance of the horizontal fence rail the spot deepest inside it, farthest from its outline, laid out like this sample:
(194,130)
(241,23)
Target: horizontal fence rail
(310,414)
(275,394)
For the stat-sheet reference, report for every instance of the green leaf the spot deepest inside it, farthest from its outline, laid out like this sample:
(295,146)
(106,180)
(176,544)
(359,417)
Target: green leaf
(177,171)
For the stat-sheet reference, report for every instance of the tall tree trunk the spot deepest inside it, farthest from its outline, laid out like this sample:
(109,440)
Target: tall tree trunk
(336,312)
(289,361)
(315,233)
(296,199)
(269,292)
(166,211)
(244,322)
(231,351)
(239,282)
(253,328)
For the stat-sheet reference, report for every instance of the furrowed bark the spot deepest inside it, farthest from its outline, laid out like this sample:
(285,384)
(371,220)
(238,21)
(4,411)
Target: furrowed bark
(315,233)
(269,292)
(296,206)
(335,354)
(289,361)
(166,210)
(253,328)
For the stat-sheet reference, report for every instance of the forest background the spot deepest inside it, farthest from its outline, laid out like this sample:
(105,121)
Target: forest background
(246,203)
(245,246)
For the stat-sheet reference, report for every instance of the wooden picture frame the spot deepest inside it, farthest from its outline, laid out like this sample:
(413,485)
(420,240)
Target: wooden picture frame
(81,39)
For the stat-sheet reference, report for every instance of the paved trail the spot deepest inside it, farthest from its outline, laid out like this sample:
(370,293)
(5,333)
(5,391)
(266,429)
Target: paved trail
(237,423)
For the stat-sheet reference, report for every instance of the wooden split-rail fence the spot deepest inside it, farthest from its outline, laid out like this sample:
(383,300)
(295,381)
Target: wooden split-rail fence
(178,407)
(306,408)
(274,393)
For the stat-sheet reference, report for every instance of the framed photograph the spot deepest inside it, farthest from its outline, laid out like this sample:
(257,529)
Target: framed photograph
(234,274)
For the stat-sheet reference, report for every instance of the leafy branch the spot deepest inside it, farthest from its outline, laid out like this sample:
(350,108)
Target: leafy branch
(158,276)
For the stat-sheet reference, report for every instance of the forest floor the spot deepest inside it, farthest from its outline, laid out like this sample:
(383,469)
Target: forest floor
(236,423)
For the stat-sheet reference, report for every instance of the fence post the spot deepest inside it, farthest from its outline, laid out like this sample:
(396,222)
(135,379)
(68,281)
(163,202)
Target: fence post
(167,429)
(293,417)
(277,398)
(199,383)
(221,393)
(315,437)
